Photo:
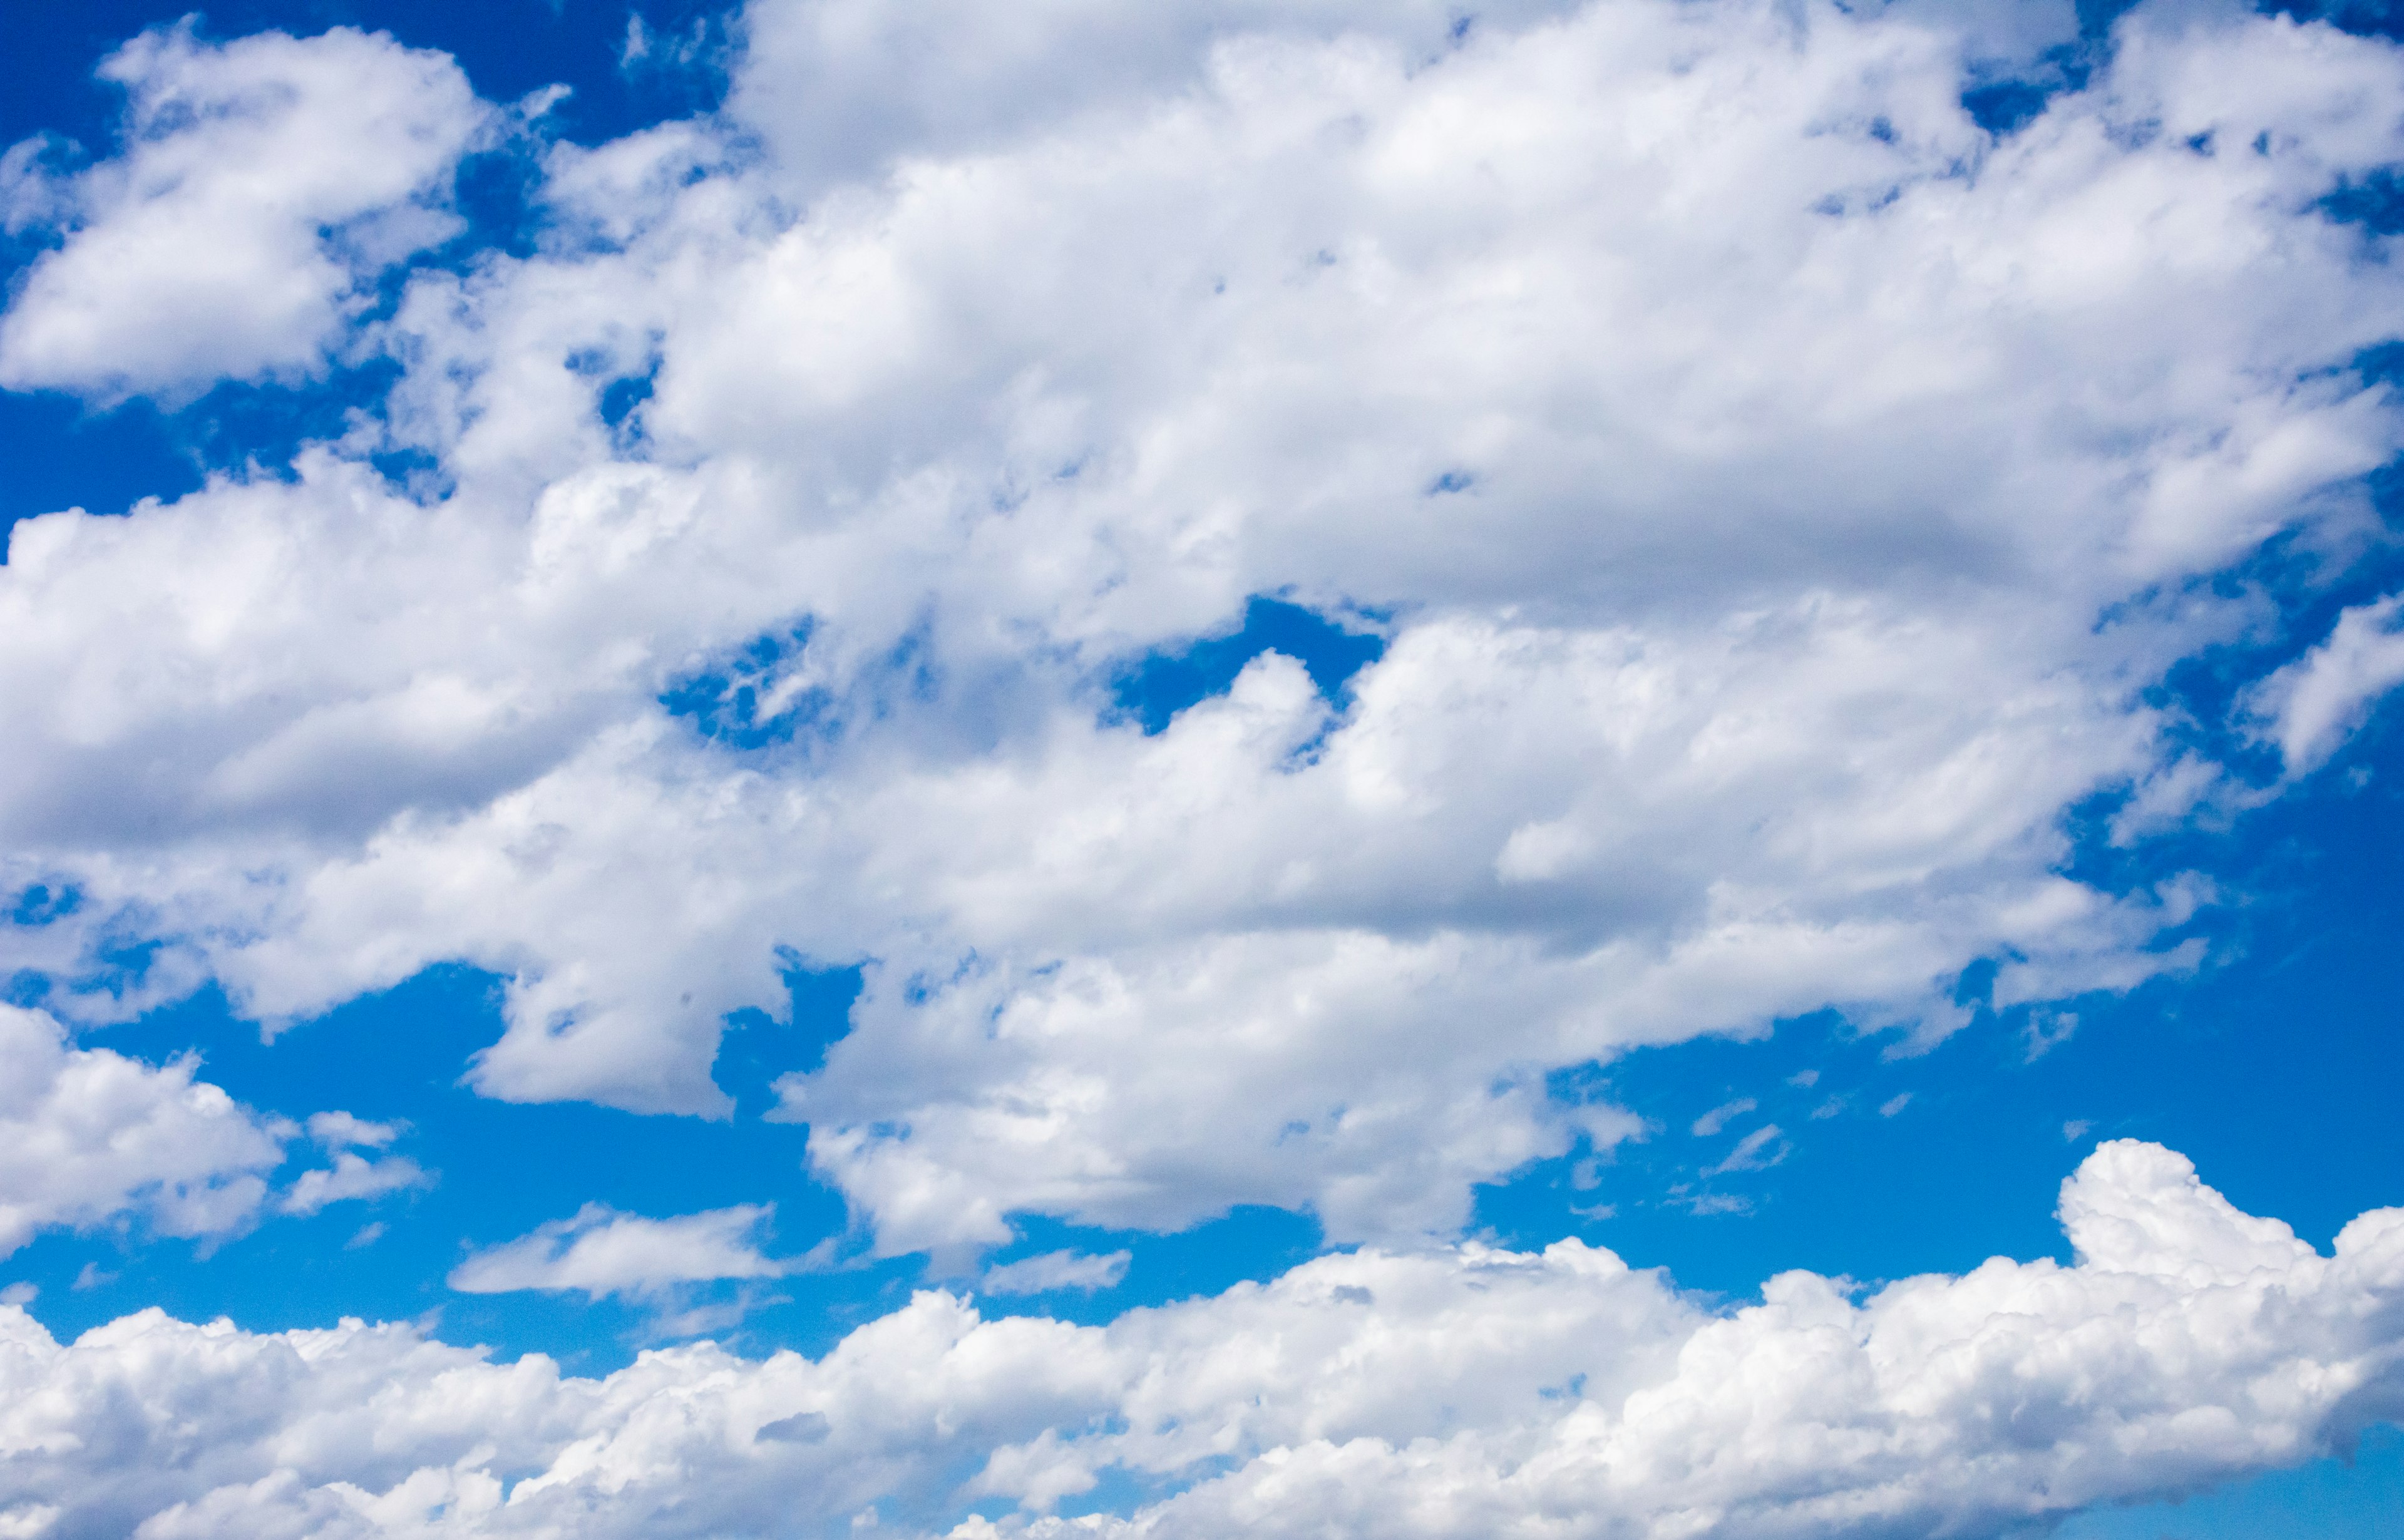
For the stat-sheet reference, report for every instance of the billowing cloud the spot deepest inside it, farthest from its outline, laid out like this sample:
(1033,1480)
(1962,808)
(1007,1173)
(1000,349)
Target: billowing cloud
(1459,1391)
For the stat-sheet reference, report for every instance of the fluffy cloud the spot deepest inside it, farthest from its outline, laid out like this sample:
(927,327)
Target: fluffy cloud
(1776,498)
(260,184)
(603,1252)
(1451,1393)
(87,1135)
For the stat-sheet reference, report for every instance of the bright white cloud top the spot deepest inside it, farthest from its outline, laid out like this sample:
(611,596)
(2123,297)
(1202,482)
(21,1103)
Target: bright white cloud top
(1774,498)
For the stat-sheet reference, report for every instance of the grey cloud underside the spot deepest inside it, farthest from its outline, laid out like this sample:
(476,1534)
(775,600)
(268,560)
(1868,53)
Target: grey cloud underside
(1453,1392)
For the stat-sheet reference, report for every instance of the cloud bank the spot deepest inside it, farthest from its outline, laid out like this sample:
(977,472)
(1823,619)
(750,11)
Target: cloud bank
(1461,1391)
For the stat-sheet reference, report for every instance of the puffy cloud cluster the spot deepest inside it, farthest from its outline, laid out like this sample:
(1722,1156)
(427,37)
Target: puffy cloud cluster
(1775,496)
(261,184)
(1451,1393)
(1774,493)
(89,1136)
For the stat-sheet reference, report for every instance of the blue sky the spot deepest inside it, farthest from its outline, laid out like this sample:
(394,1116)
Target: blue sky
(1151,674)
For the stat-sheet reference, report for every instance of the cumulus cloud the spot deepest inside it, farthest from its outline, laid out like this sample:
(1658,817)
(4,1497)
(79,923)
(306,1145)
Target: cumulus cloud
(1458,1391)
(1776,498)
(87,1134)
(601,1252)
(260,182)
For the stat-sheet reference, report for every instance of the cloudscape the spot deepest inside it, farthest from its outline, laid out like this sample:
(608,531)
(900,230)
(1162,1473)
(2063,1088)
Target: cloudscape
(1197,769)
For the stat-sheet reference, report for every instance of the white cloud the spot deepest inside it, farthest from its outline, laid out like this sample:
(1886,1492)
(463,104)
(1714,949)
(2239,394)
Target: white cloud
(2314,704)
(351,1176)
(1057,1270)
(1759,1150)
(1717,1118)
(87,1135)
(1459,1391)
(341,1132)
(1828,483)
(262,182)
(601,1252)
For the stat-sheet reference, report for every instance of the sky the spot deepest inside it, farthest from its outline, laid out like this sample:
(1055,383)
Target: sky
(1587,770)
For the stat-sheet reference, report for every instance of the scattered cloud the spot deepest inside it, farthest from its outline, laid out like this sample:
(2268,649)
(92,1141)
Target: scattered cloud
(351,1176)
(1711,1123)
(1764,1147)
(601,1252)
(1055,1270)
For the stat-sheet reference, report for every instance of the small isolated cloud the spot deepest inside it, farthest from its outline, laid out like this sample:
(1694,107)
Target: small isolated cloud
(368,1234)
(601,1252)
(20,1294)
(1894,1104)
(2076,1129)
(1759,1150)
(2045,1031)
(1056,1270)
(341,1132)
(1717,1118)
(351,1176)
(1803,1080)
(90,1277)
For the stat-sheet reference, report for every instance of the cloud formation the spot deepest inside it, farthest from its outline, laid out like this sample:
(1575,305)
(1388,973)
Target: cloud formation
(261,184)
(87,1135)
(1459,1391)
(1763,504)
(1776,496)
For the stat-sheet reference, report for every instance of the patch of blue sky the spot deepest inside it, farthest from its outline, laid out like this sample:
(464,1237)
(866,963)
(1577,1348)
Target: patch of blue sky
(1155,688)
(502,1170)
